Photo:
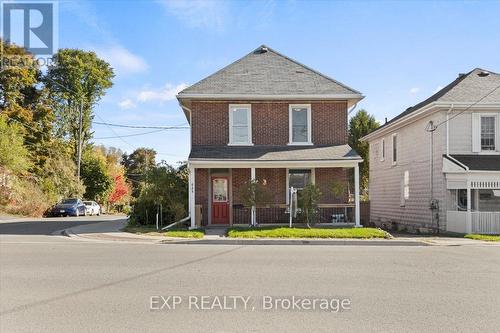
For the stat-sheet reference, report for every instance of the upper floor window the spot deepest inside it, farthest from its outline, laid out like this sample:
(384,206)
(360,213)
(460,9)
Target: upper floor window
(488,133)
(300,124)
(240,124)
(394,148)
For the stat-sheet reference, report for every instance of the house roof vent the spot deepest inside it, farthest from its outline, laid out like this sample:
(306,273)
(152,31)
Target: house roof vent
(483,73)
(263,49)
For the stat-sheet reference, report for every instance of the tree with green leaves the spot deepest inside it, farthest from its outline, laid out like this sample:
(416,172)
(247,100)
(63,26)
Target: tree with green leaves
(360,125)
(96,177)
(308,202)
(166,187)
(77,79)
(17,81)
(137,165)
(13,154)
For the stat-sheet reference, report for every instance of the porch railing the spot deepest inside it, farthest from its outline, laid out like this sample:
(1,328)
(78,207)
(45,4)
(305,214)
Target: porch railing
(480,223)
(279,215)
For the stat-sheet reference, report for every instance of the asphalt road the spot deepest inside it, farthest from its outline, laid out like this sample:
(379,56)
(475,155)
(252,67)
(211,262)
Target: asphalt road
(55,284)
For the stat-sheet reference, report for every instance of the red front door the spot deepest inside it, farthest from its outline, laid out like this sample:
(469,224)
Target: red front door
(220,200)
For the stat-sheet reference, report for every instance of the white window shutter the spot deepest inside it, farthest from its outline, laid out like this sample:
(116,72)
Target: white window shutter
(476,133)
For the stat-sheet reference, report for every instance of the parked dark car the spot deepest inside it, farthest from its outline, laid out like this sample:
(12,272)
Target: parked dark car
(69,207)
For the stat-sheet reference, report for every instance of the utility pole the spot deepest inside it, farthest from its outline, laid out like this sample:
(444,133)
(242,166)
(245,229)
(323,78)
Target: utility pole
(433,204)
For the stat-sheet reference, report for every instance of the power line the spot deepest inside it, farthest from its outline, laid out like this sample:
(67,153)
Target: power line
(129,135)
(142,126)
(112,130)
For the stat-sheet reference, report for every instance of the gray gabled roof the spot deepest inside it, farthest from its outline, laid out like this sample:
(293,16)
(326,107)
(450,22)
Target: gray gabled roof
(274,153)
(267,72)
(479,162)
(472,87)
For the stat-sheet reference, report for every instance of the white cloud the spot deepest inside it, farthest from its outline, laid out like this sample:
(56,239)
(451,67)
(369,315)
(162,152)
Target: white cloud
(121,59)
(127,103)
(164,94)
(198,13)
(414,90)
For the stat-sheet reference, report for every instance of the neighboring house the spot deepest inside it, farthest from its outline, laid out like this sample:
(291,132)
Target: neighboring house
(269,118)
(437,165)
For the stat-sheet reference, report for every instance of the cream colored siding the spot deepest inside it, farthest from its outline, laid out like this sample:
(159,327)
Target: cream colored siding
(461,130)
(413,143)
(460,133)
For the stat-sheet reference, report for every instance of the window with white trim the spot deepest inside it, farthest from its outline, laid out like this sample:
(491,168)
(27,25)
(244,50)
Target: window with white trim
(488,133)
(394,148)
(382,150)
(240,124)
(300,124)
(298,179)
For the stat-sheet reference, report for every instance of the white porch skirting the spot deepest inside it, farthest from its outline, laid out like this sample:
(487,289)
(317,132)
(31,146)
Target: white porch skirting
(480,222)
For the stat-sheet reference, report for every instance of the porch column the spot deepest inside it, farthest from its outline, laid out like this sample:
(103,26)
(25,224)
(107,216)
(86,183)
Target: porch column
(356,196)
(192,202)
(253,220)
(468,226)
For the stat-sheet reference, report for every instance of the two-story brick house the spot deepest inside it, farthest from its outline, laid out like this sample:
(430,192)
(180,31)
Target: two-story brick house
(267,117)
(437,164)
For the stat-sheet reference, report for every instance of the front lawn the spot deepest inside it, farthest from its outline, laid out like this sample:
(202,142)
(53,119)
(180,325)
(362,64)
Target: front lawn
(284,232)
(151,231)
(488,238)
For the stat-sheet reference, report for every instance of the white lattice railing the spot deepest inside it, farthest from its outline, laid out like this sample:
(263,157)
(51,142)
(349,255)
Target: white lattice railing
(480,223)
(483,184)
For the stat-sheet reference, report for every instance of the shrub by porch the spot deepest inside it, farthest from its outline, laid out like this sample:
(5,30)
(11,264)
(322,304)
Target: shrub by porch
(285,232)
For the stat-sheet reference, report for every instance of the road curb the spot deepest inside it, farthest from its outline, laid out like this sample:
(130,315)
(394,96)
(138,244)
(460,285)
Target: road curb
(348,242)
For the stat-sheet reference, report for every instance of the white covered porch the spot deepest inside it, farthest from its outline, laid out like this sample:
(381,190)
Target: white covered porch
(475,206)
(253,168)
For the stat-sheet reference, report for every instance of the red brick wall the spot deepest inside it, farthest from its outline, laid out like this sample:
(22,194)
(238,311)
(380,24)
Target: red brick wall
(329,123)
(324,178)
(270,123)
(239,177)
(275,183)
(210,122)
(201,192)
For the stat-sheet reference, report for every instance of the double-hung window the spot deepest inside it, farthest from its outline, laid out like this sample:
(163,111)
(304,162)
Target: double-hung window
(298,179)
(300,124)
(488,133)
(240,124)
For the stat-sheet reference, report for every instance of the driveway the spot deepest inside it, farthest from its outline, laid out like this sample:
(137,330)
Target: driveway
(55,284)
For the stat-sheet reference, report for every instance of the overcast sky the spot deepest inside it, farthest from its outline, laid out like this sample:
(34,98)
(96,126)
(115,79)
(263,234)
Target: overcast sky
(396,53)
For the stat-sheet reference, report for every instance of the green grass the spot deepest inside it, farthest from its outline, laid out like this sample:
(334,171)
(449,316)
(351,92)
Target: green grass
(151,231)
(284,232)
(185,233)
(488,238)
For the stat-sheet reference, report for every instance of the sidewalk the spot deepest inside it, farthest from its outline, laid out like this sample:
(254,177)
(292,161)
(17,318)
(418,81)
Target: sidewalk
(111,231)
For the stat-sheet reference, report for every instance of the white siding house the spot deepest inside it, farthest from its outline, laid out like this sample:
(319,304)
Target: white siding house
(443,170)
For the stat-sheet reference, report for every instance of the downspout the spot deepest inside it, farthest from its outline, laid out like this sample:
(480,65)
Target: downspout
(352,109)
(188,217)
